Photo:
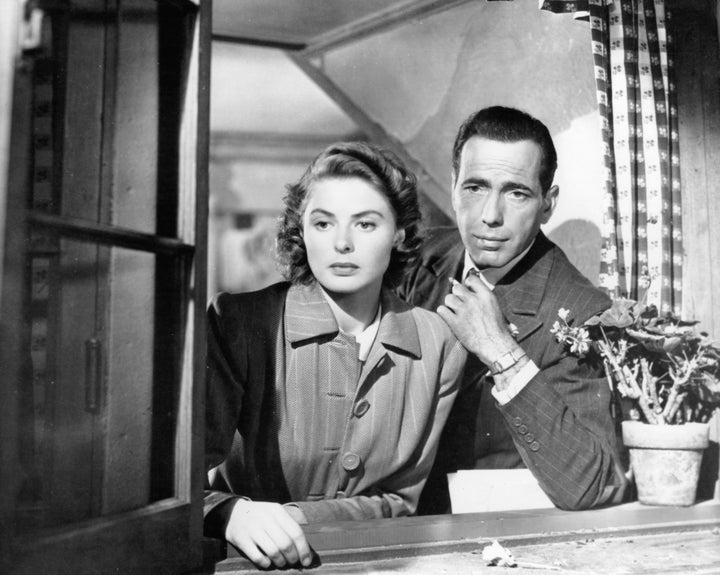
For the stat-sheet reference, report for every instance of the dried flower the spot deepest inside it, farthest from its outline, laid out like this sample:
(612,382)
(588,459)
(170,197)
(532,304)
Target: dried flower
(497,555)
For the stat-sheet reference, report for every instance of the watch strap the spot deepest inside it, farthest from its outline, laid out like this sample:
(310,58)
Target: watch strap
(506,361)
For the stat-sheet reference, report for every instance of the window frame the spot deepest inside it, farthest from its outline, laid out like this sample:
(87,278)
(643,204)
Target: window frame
(166,535)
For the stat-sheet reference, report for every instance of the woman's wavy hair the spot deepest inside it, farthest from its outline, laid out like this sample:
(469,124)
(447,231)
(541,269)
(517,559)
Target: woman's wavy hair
(381,169)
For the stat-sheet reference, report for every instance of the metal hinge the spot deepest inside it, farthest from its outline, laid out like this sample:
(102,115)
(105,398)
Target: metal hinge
(30,26)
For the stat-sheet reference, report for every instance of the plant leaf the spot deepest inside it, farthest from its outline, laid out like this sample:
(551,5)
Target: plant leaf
(707,388)
(657,343)
(619,314)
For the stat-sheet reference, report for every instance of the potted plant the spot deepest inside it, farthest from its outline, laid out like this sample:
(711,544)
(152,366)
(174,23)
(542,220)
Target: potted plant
(669,374)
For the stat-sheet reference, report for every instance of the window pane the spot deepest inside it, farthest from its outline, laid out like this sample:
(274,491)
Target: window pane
(107,86)
(100,377)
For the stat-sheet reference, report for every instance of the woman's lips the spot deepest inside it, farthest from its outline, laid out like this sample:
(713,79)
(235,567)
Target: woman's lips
(344,268)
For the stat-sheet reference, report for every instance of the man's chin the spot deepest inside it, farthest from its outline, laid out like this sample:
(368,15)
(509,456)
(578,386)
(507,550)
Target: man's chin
(489,260)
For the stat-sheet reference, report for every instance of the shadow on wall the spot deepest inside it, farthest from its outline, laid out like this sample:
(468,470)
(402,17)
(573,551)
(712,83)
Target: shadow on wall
(581,241)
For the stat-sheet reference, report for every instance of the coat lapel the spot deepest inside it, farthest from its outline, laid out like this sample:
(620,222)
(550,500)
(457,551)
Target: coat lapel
(522,290)
(397,331)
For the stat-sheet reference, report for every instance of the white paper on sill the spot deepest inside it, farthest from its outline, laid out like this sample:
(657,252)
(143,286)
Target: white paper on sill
(478,490)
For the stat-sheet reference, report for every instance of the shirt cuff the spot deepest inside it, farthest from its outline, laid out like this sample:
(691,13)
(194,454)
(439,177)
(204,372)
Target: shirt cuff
(519,380)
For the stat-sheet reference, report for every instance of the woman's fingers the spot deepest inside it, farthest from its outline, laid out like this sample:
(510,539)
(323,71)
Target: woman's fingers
(267,535)
(298,542)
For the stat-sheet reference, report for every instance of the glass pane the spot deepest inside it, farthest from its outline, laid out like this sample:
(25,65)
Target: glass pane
(105,102)
(99,381)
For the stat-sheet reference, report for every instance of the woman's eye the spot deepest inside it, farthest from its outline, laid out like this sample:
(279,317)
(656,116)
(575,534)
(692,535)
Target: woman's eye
(321,225)
(366,225)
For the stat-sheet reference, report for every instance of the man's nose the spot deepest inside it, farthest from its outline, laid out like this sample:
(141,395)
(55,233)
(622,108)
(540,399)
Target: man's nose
(343,241)
(492,214)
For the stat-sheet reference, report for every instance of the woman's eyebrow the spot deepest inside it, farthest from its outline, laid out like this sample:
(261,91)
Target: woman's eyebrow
(366,213)
(321,212)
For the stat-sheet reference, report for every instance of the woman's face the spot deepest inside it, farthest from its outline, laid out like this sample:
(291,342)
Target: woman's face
(349,231)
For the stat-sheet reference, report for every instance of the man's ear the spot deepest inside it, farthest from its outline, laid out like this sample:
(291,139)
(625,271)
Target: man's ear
(399,237)
(550,199)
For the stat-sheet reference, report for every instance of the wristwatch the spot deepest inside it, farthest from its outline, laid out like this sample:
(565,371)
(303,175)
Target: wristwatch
(506,361)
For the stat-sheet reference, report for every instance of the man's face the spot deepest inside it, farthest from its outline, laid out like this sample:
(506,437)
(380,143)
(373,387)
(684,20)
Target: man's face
(498,201)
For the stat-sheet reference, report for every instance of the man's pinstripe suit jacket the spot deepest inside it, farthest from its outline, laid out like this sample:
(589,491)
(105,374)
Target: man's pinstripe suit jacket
(560,425)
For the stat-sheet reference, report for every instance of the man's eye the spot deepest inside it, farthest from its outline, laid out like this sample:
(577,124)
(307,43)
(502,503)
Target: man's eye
(518,194)
(473,188)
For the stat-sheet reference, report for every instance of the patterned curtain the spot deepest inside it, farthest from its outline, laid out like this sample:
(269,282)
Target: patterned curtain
(642,231)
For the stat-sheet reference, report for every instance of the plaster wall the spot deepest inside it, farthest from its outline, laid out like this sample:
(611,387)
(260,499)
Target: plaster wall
(419,81)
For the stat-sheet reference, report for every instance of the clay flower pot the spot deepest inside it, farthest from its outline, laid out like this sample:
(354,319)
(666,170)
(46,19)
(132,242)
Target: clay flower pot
(665,460)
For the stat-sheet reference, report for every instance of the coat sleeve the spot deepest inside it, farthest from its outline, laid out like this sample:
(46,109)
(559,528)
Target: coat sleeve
(398,494)
(562,426)
(224,395)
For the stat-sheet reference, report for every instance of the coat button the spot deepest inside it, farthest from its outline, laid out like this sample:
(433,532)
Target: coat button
(534,446)
(361,407)
(517,421)
(522,430)
(350,461)
(529,438)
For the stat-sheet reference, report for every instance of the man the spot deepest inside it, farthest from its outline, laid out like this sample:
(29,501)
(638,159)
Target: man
(499,283)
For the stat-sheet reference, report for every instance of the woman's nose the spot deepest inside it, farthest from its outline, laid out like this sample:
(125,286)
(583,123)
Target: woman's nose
(343,242)
(492,210)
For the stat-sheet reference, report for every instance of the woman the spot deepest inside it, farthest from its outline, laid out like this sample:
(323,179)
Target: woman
(327,393)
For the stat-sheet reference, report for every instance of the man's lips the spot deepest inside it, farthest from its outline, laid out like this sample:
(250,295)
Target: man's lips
(489,243)
(490,239)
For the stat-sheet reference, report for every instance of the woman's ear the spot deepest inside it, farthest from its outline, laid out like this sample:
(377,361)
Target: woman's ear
(399,238)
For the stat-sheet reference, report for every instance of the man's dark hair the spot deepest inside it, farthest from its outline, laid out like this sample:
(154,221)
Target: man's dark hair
(508,125)
(383,171)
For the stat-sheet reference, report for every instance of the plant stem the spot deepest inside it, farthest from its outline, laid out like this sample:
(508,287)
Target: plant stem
(675,399)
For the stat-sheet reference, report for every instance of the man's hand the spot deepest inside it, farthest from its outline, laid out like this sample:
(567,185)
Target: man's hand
(473,314)
(267,534)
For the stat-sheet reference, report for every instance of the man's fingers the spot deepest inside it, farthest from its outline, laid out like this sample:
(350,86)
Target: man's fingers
(447,314)
(458,289)
(474,284)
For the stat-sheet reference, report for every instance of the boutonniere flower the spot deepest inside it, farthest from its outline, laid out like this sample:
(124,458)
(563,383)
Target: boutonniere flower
(577,339)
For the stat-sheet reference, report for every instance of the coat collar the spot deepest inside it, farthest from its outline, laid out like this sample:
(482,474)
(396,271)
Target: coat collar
(521,291)
(308,315)
(448,264)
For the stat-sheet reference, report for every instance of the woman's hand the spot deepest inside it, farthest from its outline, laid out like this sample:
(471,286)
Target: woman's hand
(267,534)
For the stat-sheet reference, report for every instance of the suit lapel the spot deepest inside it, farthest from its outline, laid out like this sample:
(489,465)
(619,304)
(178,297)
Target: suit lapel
(522,290)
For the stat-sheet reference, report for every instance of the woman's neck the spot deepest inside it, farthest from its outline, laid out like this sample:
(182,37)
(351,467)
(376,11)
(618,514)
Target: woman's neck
(354,312)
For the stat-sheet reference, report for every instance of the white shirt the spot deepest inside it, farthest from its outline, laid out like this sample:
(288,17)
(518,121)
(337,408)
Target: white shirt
(367,337)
